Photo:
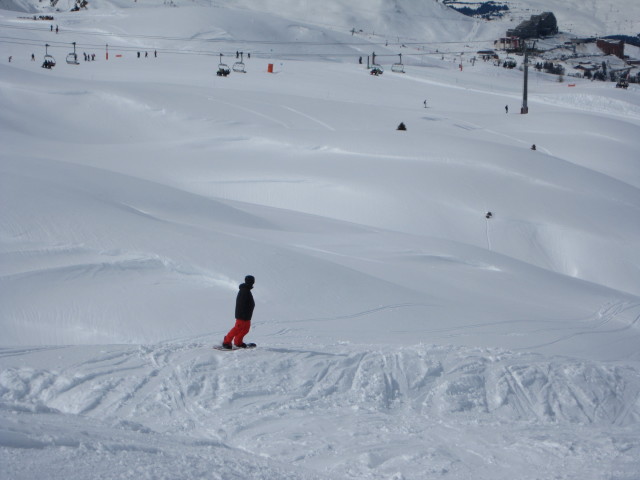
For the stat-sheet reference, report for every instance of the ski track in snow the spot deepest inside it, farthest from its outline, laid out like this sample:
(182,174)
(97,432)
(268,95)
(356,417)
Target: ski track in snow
(319,122)
(274,402)
(257,113)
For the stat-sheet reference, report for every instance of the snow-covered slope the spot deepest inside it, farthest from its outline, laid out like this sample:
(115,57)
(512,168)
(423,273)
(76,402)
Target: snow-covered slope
(402,334)
(585,18)
(310,411)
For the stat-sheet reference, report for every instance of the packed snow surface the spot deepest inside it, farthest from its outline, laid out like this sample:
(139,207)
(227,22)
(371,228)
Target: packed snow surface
(402,332)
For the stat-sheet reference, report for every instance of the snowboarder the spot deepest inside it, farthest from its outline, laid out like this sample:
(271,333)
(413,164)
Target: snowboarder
(244,310)
(533,147)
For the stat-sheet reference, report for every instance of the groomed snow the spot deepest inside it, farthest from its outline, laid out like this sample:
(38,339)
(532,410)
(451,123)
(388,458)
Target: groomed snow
(401,334)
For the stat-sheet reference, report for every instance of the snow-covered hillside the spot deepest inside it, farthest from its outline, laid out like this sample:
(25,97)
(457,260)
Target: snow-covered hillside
(585,18)
(402,334)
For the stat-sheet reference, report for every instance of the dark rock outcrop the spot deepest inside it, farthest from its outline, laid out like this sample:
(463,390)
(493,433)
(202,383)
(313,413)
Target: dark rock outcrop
(542,25)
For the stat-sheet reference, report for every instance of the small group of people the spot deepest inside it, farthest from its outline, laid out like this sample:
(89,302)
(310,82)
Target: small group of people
(146,54)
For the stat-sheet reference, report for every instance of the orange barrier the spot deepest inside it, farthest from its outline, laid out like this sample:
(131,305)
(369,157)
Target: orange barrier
(270,68)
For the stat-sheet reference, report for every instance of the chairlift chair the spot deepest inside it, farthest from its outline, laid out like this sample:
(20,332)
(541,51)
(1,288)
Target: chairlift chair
(239,66)
(72,58)
(376,70)
(399,66)
(223,69)
(49,61)
(510,62)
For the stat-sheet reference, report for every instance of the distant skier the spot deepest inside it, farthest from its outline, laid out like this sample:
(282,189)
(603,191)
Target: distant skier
(506,109)
(533,147)
(425,104)
(244,311)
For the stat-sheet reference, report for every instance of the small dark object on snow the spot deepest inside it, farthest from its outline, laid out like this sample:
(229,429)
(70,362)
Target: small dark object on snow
(402,126)
(488,215)
(533,147)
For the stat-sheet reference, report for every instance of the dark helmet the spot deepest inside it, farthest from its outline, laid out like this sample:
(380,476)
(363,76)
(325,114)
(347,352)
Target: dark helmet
(249,280)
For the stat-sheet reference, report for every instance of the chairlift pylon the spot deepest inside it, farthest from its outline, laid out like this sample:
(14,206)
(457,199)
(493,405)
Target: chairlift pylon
(223,68)
(49,61)
(374,68)
(72,58)
(399,66)
(239,66)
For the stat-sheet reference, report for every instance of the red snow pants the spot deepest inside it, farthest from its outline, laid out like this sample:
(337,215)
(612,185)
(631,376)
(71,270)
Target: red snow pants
(237,333)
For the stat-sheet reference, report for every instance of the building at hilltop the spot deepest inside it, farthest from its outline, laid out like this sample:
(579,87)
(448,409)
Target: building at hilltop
(542,25)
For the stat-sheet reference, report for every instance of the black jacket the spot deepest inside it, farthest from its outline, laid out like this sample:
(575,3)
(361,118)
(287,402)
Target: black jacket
(244,303)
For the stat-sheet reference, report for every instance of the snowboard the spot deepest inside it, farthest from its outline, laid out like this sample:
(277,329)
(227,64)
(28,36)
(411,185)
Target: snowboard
(219,347)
